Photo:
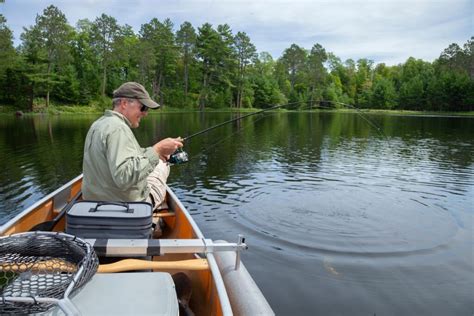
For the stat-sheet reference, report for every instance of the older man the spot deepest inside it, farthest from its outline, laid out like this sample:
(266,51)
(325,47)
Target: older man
(115,167)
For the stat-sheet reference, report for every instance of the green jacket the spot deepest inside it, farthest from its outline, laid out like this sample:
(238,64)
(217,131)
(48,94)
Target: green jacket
(115,166)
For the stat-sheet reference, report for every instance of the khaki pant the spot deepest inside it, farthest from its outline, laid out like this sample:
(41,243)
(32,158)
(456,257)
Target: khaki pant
(157,184)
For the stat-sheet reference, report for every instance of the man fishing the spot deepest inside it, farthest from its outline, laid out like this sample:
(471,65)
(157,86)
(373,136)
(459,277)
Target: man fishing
(115,167)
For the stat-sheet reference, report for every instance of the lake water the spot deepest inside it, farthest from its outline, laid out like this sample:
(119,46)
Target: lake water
(341,219)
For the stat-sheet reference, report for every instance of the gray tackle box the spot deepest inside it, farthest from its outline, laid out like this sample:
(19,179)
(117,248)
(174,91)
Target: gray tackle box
(127,220)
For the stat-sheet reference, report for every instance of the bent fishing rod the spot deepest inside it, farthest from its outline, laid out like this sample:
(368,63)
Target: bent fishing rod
(180,156)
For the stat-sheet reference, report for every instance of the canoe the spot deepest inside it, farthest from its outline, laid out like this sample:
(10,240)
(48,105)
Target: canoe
(221,285)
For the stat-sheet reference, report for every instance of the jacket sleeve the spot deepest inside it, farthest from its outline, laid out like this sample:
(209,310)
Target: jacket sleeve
(128,162)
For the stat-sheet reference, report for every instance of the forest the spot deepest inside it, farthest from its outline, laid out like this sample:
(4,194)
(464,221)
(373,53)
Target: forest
(212,67)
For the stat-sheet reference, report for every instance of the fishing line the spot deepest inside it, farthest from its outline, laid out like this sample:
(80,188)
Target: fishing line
(377,128)
(235,119)
(214,145)
(180,156)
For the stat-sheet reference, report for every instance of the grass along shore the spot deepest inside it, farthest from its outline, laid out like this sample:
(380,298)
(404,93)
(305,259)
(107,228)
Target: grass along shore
(98,108)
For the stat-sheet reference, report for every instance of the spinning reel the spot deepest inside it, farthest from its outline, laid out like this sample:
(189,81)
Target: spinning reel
(178,157)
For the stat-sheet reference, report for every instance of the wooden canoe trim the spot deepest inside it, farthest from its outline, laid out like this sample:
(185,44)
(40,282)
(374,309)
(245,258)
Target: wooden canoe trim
(164,214)
(137,264)
(42,213)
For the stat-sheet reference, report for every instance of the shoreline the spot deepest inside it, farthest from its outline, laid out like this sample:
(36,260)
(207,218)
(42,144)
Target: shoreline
(69,110)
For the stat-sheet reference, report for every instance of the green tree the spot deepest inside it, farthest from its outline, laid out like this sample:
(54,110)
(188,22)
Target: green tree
(161,37)
(46,46)
(317,72)
(453,57)
(264,65)
(412,94)
(209,51)
(265,86)
(125,61)
(86,63)
(414,78)
(215,68)
(334,91)
(34,56)
(227,70)
(246,53)
(452,86)
(343,80)
(469,57)
(8,60)
(363,81)
(294,60)
(8,55)
(186,40)
(459,59)
(266,93)
(451,91)
(383,94)
(104,32)
(146,63)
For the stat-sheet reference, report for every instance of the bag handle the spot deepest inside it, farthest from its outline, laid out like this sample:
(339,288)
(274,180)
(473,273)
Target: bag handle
(125,205)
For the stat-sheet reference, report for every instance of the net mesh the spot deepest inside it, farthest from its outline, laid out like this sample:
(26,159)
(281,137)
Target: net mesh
(41,265)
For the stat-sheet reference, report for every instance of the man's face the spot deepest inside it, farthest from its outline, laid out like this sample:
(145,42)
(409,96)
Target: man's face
(133,112)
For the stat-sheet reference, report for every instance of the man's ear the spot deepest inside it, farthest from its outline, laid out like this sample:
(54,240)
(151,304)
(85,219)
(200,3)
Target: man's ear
(123,104)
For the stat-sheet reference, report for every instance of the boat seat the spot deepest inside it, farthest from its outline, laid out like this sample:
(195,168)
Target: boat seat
(149,293)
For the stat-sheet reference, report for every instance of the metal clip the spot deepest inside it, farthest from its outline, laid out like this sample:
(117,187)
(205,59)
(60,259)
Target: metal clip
(237,253)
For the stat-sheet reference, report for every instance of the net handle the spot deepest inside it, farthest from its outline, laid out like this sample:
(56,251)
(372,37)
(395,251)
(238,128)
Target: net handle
(68,307)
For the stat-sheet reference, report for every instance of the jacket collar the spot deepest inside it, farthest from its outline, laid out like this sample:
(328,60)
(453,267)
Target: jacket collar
(119,115)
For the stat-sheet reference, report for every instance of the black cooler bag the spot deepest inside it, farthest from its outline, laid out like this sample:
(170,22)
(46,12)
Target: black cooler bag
(91,219)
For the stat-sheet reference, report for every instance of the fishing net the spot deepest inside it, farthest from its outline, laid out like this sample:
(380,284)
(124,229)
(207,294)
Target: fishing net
(39,270)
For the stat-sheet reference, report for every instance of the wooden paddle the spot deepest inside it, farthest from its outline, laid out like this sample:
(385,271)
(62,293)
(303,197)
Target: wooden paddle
(49,225)
(120,266)
(136,264)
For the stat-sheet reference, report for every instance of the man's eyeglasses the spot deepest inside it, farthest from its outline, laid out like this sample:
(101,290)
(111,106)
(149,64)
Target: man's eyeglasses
(143,108)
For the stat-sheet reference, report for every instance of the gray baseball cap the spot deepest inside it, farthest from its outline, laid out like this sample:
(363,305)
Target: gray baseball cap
(134,90)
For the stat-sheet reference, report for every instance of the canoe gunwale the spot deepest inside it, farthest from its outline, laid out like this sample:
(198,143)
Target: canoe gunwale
(188,216)
(220,286)
(35,205)
(214,269)
(216,273)
(197,245)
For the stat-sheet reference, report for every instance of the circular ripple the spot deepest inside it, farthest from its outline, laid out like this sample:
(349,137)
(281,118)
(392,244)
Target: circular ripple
(361,222)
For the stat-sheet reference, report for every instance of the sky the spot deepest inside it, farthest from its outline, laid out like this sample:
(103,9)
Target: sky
(385,31)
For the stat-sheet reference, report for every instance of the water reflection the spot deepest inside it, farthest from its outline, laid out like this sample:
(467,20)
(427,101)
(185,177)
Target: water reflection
(350,220)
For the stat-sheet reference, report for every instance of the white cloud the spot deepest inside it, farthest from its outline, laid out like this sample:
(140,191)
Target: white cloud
(385,30)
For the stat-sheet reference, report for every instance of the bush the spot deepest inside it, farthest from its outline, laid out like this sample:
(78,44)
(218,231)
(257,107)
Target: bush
(39,105)
(101,104)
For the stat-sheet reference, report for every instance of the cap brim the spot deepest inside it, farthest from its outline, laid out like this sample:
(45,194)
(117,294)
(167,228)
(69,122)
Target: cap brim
(149,103)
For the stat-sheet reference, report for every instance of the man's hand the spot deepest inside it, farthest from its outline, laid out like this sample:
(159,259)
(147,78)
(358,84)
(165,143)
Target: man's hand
(164,148)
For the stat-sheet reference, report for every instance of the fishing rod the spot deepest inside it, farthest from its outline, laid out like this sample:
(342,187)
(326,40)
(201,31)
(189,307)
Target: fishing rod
(377,128)
(180,156)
